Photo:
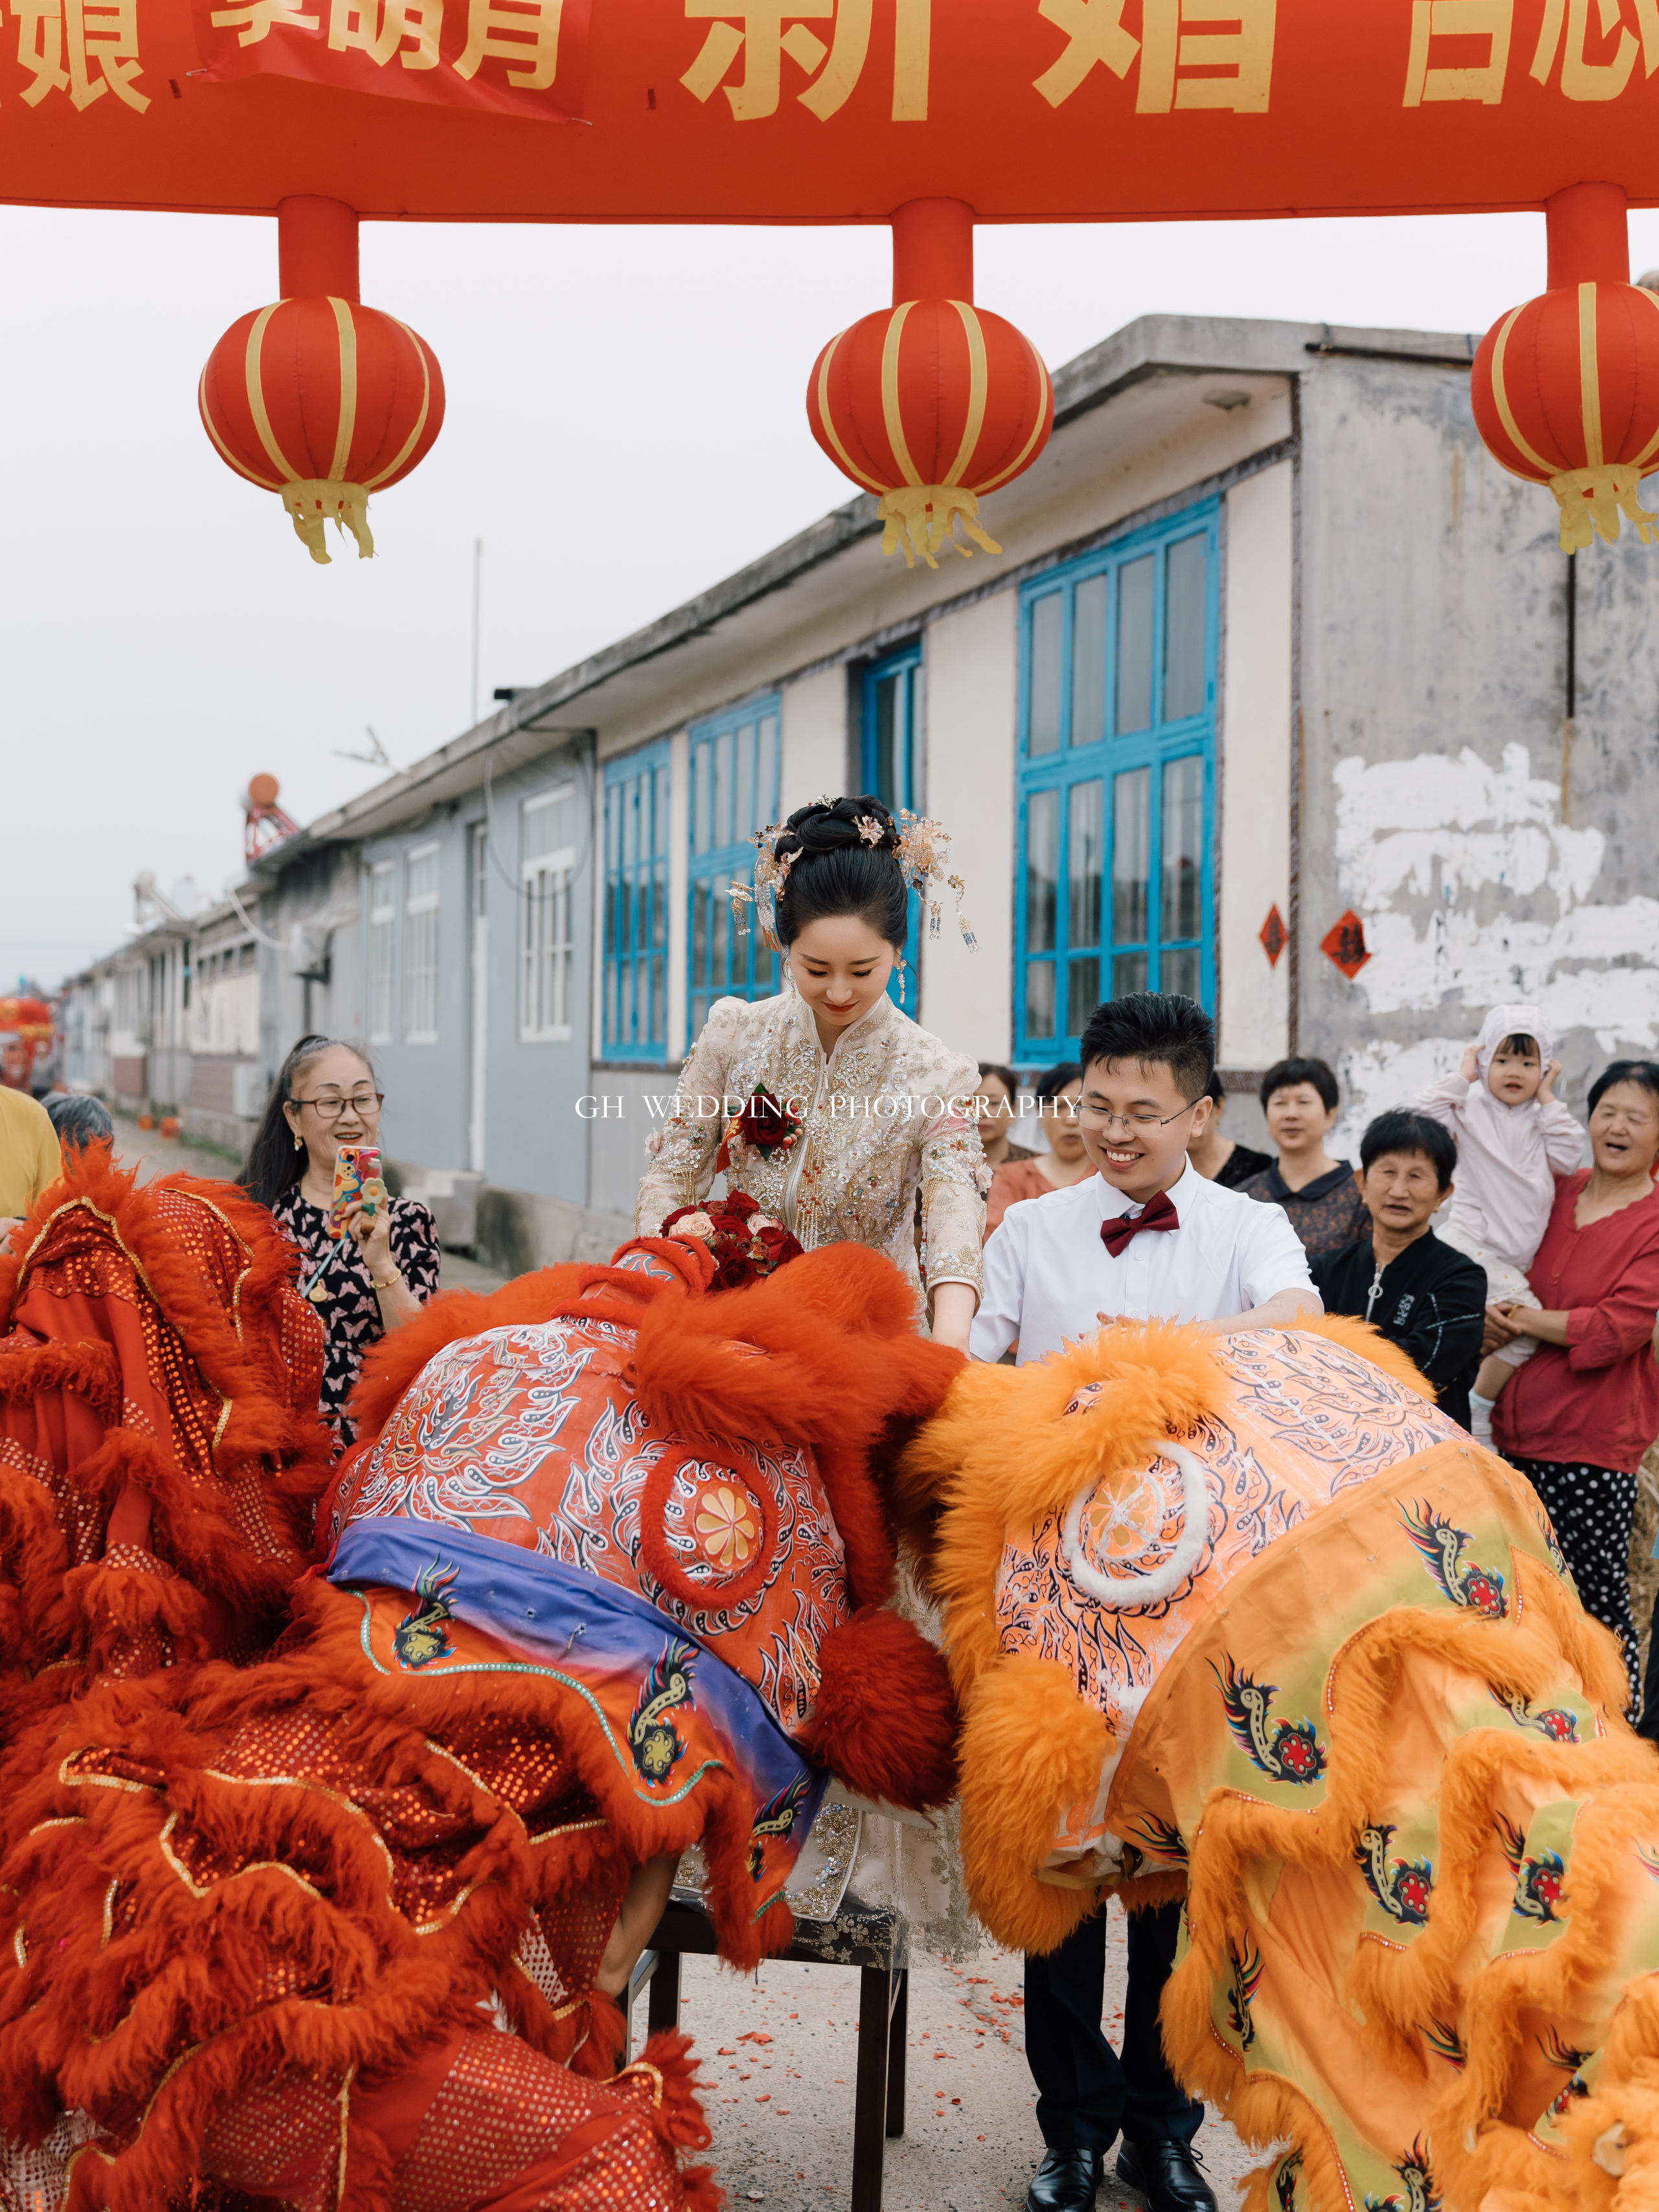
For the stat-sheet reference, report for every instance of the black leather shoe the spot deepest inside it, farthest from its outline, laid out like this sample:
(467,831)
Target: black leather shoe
(1166,2174)
(1065,2182)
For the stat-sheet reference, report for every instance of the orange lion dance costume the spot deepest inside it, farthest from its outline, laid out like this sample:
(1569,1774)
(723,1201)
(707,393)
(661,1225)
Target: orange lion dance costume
(326,1926)
(1248,1619)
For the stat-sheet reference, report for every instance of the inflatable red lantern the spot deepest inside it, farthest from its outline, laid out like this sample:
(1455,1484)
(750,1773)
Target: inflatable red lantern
(932,403)
(1566,388)
(318,397)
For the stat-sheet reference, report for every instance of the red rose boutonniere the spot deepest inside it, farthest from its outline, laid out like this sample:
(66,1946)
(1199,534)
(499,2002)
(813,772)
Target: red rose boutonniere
(746,1243)
(765,1125)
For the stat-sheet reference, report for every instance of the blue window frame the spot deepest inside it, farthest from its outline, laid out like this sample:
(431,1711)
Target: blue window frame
(1116,780)
(891,746)
(734,793)
(636,905)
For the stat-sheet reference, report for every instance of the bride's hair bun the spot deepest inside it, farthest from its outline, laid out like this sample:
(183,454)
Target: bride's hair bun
(835,825)
(841,857)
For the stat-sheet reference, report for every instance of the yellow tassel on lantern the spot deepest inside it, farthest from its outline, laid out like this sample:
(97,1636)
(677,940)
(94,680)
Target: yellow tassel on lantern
(311,502)
(1591,499)
(921,518)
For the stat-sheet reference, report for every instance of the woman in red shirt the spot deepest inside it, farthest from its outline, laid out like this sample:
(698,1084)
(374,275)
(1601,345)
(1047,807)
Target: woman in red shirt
(1580,1414)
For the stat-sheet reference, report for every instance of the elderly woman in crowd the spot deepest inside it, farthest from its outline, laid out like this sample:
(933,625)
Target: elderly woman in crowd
(1580,1414)
(386,1267)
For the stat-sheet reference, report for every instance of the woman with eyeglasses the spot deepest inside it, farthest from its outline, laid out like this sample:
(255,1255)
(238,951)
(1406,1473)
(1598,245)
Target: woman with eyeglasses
(385,1268)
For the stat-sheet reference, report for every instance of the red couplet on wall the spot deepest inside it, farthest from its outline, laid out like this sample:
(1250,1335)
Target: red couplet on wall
(828,111)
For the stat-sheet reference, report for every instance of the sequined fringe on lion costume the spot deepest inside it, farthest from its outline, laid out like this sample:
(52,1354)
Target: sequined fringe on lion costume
(1248,1621)
(324,1926)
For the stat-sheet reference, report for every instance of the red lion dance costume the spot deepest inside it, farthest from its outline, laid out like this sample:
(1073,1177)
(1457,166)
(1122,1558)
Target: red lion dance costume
(319,1922)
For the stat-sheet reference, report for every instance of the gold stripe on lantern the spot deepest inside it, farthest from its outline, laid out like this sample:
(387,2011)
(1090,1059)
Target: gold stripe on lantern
(265,483)
(857,475)
(978,384)
(1024,452)
(891,413)
(1505,413)
(348,336)
(256,396)
(1589,381)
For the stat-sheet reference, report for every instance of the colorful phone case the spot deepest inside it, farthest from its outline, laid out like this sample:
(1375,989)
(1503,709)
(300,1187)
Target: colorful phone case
(355,1166)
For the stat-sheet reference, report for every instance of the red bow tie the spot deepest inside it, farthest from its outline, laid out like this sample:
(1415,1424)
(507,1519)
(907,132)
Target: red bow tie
(1160,1214)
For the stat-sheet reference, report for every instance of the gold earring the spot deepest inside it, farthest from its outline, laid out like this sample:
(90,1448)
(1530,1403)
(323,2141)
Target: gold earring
(298,1142)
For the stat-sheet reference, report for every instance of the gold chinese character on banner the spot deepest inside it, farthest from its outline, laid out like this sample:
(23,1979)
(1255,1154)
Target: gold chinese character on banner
(380,29)
(1582,78)
(835,69)
(1236,64)
(83,47)
(1491,20)
(254,19)
(523,32)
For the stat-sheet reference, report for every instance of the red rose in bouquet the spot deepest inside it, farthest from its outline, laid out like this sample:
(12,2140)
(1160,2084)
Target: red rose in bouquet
(765,1125)
(746,1243)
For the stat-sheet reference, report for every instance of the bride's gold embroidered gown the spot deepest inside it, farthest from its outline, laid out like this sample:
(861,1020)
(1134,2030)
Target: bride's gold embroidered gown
(889,1111)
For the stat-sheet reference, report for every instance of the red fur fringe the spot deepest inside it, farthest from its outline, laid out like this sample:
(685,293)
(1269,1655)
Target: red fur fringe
(886,1718)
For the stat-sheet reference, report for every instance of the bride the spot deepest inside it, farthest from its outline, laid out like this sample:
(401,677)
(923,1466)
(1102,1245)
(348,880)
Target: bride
(831,1108)
(828,1105)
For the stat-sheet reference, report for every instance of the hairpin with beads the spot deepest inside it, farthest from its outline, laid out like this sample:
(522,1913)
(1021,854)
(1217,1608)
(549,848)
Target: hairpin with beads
(922,858)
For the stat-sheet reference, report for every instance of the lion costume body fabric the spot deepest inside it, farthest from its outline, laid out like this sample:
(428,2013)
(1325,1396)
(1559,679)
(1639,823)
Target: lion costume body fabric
(605,1585)
(1248,1620)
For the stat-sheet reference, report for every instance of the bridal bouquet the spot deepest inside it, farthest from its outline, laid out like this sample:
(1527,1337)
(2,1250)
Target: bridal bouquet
(746,1243)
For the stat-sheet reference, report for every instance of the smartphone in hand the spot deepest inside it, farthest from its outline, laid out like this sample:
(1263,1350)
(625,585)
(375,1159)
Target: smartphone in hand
(355,1167)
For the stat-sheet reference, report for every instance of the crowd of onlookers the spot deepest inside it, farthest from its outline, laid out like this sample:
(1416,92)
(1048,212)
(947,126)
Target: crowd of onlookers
(1523,1281)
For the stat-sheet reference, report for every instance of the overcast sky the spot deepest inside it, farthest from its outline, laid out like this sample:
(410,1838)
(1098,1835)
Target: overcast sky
(625,426)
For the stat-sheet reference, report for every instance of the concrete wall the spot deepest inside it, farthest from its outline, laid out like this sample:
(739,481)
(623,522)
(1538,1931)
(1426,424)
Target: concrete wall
(1253,746)
(1491,852)
(970,703)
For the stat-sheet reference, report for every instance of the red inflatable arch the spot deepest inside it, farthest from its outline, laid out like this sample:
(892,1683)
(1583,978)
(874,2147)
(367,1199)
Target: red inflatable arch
(851,111)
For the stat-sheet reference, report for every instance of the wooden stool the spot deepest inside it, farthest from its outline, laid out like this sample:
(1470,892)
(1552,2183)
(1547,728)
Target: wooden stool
(878,1944)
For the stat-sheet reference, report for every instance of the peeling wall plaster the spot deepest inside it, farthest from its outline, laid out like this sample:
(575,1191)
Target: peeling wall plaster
(1438,854)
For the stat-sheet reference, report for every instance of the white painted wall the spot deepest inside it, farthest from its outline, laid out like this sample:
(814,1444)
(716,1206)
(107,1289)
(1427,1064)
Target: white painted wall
(1255,794)
(970,701)
(814,737)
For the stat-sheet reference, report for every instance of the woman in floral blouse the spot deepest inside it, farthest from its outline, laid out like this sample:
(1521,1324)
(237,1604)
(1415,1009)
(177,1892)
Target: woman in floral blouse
(828,1105)
(385,1268)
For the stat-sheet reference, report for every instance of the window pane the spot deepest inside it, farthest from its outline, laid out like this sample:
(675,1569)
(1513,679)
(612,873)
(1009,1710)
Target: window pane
(1183,848)
(720,925)
(1039,999)
(1089,660)
(699,1012)
(1135,645)
(745,742)
(1082,993)
(766,776)
(1085,852)
(1184,629)
(1131,858)
(659,821)
(764,981)
(721,834)
(1179,971)
(1048,615)
(658,1010)
(885,733)
(1128,972)
(1041,875)
(659,910)
(700,932)
(699,802)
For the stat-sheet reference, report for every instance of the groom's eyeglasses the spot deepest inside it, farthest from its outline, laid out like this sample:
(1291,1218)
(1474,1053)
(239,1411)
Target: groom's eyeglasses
(1098,1118)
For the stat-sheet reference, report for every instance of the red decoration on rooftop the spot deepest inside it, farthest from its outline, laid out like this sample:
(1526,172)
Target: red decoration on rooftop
(265,824)
(1273,934)
(1344,943)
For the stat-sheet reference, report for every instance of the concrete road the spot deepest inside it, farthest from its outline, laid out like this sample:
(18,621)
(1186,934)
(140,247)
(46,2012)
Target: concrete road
(779,2058)
(778,2047)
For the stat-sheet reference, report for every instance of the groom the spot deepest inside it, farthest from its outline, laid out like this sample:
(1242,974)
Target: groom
(1146,1238)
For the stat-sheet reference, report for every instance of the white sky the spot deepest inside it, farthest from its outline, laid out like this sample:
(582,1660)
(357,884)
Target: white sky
(626,425)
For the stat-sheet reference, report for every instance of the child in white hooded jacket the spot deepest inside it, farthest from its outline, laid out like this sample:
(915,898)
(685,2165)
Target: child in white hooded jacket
(1514,1138)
